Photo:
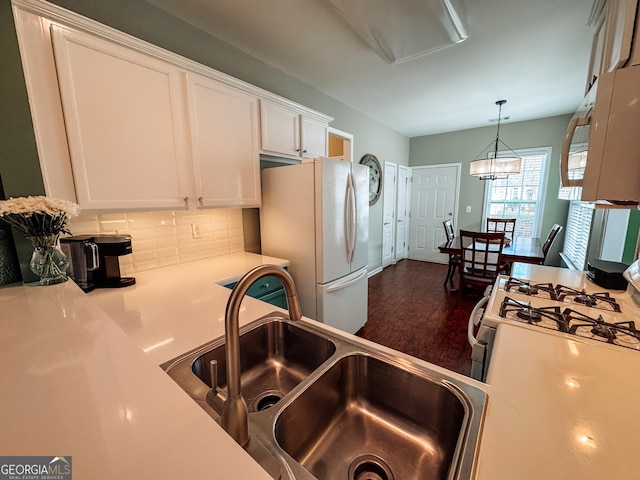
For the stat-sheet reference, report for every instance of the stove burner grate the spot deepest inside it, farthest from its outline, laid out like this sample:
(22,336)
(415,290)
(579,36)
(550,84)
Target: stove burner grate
(531,289)
(618,333)
(534,316)
(586,300)
(601,300)
(529,314)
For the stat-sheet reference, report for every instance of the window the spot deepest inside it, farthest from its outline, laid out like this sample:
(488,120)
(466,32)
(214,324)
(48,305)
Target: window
(521,196)
(576,236)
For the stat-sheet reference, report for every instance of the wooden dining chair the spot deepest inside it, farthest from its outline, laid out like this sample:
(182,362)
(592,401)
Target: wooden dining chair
(546,246)
(506,225)
(454,260)
(480,261)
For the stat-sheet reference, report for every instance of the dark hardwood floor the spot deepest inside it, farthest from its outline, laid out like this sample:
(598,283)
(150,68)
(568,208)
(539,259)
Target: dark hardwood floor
(411,311)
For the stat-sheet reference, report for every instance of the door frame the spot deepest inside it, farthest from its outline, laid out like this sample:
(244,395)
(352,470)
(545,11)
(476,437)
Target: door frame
(407,213)
(456,201)
(394,206)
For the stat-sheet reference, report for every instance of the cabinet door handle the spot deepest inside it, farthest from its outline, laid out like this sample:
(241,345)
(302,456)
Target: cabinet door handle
(304,151)
(186,202)
(201,201)
(564,152)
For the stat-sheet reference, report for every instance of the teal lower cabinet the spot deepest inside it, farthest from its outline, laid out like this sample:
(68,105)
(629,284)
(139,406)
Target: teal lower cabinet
(268,289)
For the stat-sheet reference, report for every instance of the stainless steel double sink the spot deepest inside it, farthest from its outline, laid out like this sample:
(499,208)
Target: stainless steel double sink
(328,406)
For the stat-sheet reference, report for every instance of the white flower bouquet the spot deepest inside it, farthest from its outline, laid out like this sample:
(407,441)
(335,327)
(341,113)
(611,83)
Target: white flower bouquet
(42,220)
(38,216)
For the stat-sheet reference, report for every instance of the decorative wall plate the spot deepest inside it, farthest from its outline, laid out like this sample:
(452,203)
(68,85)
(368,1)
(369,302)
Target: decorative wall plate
(375,177)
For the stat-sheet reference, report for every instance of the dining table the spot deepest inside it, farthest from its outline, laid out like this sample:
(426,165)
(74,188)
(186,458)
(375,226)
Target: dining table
(520,249)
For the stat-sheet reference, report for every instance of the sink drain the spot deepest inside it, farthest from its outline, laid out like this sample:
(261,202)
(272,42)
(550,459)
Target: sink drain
(369,467)
(266,400)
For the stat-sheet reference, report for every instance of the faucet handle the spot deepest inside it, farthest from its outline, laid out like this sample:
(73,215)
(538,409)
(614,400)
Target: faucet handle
(216,396)
(213,373)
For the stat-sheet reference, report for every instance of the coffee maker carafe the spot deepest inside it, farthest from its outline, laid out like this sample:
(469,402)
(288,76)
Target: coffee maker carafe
(94,260)
(110,247)
(83,259)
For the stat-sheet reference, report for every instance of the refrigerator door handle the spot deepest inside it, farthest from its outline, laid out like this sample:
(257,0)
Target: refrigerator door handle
(340,285)
(354,217)
(347,219)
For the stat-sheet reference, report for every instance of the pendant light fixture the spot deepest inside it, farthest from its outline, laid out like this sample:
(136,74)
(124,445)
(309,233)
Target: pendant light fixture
(488,166)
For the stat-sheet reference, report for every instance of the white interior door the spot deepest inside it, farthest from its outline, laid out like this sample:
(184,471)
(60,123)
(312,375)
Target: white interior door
(434,198)
(402,212)
(388,213)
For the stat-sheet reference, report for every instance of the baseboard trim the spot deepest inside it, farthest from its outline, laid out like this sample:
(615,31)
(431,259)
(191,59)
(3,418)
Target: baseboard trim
(374,272)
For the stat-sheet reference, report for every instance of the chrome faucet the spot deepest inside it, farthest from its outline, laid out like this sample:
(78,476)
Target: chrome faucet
(235,415)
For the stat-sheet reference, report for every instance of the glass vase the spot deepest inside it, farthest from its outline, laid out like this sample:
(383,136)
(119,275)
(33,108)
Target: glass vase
(48,261)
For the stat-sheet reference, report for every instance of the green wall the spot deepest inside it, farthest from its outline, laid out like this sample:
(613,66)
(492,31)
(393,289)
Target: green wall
(19,166)
(18,159)
(463,146)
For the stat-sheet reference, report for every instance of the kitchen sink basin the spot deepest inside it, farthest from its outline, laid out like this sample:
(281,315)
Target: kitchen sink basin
(274,357)
(326,405)
(370,417)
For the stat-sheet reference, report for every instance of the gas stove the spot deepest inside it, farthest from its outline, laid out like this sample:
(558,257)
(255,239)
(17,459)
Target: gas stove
(580,308)
(562,293)
(558,302)
(554,301)
(568,320)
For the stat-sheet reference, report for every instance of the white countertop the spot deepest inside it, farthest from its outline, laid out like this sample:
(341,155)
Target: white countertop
(172,310)
(560,407)
(75,384)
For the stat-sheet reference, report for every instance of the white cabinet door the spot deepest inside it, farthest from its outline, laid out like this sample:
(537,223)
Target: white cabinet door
(313,137)
(620,23)
(279,129)
(285,131)
(125,124)
(223,123)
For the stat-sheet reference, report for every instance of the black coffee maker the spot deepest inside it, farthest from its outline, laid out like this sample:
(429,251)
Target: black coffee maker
(94,260)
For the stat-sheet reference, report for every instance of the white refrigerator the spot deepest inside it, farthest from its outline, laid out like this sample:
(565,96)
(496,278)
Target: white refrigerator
(316,215)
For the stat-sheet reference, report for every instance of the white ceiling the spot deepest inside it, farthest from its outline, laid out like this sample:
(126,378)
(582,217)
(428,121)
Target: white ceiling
(533,53)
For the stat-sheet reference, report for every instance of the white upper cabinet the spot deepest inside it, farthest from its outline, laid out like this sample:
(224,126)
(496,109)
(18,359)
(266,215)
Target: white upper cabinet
(287,132)
(620,26)
(313,137)
(615,40)
(121,124)
(123,112)
(223,122)
(279,129)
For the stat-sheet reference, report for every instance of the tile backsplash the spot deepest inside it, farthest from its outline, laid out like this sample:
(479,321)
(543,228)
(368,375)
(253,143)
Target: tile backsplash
(161,239)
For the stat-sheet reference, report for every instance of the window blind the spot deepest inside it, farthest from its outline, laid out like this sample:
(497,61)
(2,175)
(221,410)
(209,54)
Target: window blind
(576,237)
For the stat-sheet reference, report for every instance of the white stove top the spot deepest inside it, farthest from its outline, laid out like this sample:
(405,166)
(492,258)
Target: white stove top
(552,299)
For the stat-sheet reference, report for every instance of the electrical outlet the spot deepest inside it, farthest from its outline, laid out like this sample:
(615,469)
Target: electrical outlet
(195,230)
(468,209)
